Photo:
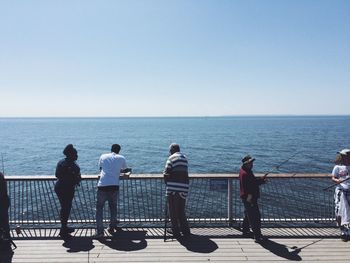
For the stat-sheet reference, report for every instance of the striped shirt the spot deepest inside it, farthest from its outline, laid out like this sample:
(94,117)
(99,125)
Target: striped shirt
(176,174)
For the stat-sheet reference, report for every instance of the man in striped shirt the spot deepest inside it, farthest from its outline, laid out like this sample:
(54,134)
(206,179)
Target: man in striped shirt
(177,185)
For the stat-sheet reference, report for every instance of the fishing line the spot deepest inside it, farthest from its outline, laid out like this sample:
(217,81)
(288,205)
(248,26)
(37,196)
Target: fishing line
(280,164)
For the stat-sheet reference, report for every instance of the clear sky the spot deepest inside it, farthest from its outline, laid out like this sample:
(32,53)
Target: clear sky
(174,58)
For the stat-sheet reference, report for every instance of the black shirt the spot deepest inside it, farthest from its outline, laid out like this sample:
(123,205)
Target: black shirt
(68,173)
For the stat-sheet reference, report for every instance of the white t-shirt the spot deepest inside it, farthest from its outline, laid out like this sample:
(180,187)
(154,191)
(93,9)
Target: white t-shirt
(110,164)
(342,172)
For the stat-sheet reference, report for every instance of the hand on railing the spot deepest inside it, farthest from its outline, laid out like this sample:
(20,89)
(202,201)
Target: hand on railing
(126,172)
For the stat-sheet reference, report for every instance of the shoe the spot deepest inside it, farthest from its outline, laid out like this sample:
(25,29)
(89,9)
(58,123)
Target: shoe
(111,230)
(247,234)
(344,237)
(66,230)
(187,236)
(98,235)
(260,239)
(69,229)
(65,236)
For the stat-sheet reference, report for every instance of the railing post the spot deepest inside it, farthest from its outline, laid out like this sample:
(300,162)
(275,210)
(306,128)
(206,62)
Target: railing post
(229,202)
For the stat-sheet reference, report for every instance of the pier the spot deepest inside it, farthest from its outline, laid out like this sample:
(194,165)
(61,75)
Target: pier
(305,233)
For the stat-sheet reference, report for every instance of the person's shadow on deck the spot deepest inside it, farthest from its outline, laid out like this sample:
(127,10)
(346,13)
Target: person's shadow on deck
(199,244)
(77,244)
(282,250)
(126,240)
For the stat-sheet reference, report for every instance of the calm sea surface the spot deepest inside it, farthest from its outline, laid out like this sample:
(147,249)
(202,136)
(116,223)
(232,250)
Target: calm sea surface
(33,146)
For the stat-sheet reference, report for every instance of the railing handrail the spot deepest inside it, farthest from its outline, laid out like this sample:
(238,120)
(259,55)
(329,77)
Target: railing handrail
(213,198)
(160,176)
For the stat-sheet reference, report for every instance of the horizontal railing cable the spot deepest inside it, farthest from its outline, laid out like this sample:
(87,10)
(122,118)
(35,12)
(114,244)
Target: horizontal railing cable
(286,200)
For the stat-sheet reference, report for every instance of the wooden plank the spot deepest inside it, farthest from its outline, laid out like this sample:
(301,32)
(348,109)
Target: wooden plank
(155,250)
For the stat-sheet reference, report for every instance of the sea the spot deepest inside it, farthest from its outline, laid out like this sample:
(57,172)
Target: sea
(304,144)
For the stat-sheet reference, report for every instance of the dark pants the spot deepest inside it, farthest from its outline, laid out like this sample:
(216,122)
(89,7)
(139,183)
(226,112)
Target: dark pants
(177,214)
(4,222)
(252,218)
(65,196)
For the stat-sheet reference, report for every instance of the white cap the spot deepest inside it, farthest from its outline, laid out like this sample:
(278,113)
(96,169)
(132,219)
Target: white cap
(344,152)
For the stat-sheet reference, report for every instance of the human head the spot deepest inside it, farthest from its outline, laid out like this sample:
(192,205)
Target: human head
(174,148)
(70,152)
(345,156)
(247,162)
(115,148)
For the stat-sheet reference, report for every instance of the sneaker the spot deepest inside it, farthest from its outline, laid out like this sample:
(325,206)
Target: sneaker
(98,235)
(344,237)
(111,230)
(248,234)
(65,236)
(69,229)
(260,239)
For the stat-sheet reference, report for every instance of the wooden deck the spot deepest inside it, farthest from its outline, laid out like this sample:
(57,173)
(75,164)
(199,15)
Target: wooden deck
(206,245)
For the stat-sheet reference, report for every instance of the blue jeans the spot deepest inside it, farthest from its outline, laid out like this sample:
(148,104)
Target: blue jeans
(102,197)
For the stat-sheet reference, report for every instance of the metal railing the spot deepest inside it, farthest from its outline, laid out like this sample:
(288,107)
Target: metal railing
(286,200)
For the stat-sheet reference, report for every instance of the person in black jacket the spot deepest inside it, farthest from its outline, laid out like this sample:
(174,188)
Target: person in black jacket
(4,206)
(68,177)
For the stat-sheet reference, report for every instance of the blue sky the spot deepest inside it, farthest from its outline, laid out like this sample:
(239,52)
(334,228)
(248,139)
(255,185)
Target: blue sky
(174,58)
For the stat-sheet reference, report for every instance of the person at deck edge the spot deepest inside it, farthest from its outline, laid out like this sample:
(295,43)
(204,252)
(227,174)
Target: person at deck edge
(111,165)
(341,175)
(250,193)
(68,177)
(177,186)
(4,206)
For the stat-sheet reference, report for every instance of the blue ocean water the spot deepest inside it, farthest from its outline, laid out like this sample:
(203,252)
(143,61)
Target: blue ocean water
(33,146)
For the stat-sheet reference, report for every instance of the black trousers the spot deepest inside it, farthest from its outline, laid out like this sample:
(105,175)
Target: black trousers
(65,196)
(4,222)
(252,218)
(177,214)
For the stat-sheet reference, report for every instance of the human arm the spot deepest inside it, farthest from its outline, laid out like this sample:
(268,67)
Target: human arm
(167,170)
(125,171)
(59,173)
(4,198)
(335,175)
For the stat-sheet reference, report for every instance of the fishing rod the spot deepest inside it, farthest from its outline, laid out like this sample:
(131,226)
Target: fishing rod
(280,164)
(324,189)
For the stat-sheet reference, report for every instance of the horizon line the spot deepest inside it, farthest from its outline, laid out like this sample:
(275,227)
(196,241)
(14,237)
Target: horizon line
(175,116)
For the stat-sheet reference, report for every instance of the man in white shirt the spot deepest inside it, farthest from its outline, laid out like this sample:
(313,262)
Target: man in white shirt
(111,165)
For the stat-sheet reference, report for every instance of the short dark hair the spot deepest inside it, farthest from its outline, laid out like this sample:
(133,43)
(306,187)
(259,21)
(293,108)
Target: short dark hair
(69,150)
(174,147)
(115,148)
